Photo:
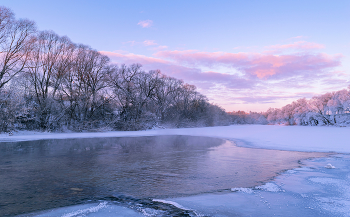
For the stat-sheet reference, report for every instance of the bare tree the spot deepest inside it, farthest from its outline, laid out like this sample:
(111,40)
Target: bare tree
(6,19)
(46,65)
(89,78)
(166,93)
(124,81)
(16,39)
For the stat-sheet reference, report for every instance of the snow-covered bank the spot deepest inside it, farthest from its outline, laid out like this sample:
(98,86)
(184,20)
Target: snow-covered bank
(296,138)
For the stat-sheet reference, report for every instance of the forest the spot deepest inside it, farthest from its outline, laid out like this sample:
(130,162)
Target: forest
(330,109)
(49,83)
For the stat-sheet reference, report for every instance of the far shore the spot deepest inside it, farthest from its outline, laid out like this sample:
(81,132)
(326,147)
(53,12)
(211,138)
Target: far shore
(293,138)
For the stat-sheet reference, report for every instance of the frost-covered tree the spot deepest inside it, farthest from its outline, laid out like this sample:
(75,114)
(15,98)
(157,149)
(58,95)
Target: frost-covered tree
(327,109)
(45,69)
(15,44)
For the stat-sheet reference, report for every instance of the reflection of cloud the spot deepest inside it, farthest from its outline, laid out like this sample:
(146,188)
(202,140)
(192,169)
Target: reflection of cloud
(145,23)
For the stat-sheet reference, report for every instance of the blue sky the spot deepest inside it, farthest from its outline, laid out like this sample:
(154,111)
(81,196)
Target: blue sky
(244,55)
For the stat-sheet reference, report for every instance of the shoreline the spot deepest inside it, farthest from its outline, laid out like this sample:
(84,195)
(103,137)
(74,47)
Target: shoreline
(288,138)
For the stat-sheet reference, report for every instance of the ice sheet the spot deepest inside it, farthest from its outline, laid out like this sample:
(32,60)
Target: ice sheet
(102,209)
(312,190)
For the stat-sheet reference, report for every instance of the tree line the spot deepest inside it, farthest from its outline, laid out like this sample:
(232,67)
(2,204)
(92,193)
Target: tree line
(330,109)
(49,83)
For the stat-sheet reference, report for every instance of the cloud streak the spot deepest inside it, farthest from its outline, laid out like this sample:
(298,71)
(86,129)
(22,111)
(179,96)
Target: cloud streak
(145,23)
(149,43)
(258,65)
(204,79)
(300,45)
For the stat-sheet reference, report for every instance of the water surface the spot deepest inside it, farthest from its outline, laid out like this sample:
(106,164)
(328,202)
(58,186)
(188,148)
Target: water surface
(38,175)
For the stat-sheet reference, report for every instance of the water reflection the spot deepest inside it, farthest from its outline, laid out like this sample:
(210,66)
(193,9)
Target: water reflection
(37,175)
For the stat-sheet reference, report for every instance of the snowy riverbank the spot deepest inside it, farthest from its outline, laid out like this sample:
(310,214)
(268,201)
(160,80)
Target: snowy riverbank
(296,138)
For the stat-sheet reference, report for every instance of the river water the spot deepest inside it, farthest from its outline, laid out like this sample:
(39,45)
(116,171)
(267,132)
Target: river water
(131,172)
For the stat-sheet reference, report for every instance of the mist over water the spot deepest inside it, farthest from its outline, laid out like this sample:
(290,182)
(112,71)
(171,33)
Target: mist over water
(38,175)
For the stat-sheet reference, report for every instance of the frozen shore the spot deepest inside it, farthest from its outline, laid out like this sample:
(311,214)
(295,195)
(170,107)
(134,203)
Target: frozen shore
(294,138)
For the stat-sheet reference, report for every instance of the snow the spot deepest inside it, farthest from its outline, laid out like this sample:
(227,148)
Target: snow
(171,203)
(269,187)
(101,209)
(296,138)
(245,190)
(330,166)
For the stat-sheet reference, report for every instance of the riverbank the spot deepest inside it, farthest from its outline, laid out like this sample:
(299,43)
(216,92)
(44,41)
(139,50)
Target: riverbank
(292,138)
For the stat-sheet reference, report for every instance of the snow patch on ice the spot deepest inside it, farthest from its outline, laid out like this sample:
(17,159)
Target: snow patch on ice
(291,171)
(86,211)
(304,169)
(269,187)
(335,205)
(151,212)
(102,209)
(244,190)
(171,203)
(326,181)
(330,166)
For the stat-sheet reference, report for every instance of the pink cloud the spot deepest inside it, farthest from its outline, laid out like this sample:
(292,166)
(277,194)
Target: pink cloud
(262,74)
(145,23)
(161,47)
(296,71)
(299,37)
(267,99)
(300,45)
(189,74)
(132,43)
(265,78)
(255,64)
(130,58)
(149,43)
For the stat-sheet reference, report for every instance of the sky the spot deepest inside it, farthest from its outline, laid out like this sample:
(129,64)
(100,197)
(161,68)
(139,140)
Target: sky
(243,55)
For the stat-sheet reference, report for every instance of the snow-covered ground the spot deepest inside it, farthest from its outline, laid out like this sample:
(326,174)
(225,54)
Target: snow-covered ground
(296,138)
